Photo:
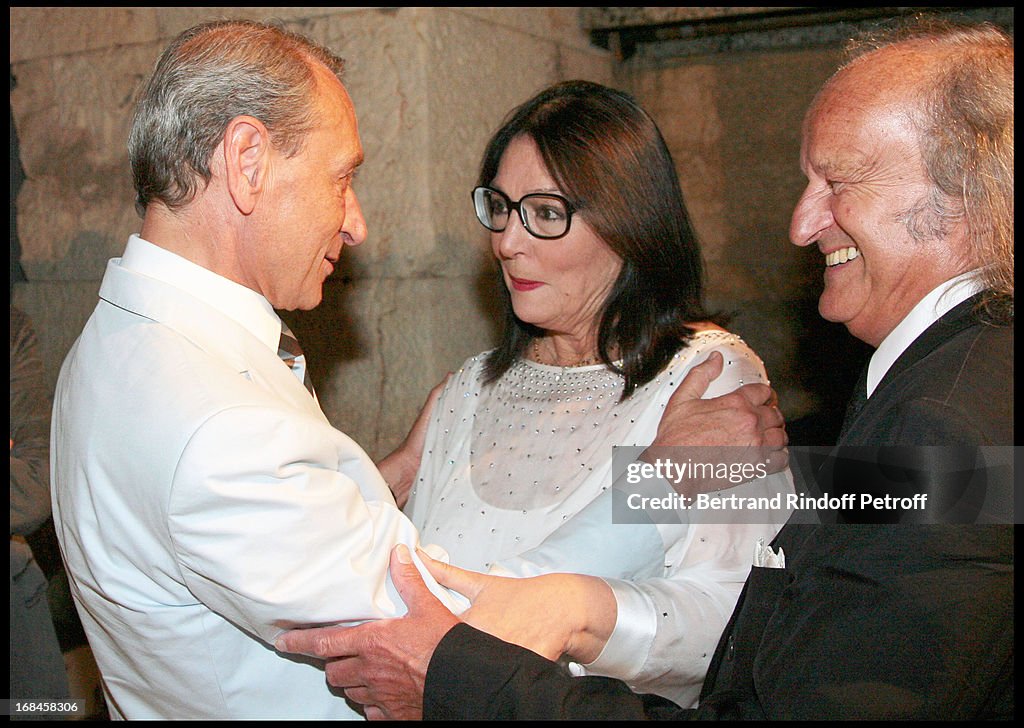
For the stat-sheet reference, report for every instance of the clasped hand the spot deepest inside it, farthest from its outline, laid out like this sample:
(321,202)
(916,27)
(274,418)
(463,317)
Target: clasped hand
(382,665)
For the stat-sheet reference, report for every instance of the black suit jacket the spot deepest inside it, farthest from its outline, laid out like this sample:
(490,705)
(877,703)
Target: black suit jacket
(865,621)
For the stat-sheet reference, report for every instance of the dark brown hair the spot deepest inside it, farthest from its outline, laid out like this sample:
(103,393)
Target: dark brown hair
(609,158)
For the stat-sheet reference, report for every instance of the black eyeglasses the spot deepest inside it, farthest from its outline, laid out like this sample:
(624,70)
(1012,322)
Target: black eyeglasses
(543,215)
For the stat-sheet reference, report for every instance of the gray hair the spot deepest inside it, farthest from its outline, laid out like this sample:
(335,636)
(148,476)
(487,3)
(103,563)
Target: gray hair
(206,77)
(965,115)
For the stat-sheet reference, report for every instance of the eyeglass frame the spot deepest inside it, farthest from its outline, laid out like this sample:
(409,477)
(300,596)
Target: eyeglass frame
(570,209)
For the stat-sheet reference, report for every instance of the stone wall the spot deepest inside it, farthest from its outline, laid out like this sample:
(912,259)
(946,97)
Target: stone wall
(429,86)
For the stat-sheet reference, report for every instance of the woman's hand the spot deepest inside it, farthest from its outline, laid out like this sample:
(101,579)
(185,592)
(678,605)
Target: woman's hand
(552,614)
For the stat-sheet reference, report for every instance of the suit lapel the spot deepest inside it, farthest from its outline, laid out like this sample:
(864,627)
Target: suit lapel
(857,401)
(949,325)
(952,323)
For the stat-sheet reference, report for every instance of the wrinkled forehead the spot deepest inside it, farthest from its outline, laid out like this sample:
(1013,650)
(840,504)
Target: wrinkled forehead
(850,131)
(337,114)
(332,96)
(891,77)
(879,90)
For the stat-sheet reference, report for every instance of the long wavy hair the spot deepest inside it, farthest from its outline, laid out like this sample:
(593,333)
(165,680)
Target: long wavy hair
(609,158)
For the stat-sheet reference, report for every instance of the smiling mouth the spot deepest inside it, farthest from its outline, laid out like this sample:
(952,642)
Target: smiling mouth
(843,255)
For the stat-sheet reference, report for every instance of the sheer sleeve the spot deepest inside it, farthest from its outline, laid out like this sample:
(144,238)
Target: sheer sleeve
(668,626)
(594,543)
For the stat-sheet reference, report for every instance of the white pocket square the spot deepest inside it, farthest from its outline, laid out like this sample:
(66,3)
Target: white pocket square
(768,559)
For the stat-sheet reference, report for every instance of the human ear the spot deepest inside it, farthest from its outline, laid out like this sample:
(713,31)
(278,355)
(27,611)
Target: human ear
(246,145)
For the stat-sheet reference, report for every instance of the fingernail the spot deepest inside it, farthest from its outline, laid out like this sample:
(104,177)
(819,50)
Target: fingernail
(402,554)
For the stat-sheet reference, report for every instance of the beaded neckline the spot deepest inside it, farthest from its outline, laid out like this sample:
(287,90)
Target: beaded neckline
(558,372)
(584,362)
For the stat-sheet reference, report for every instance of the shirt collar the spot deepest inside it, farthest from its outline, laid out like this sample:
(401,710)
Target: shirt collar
(928,310)
(244,305)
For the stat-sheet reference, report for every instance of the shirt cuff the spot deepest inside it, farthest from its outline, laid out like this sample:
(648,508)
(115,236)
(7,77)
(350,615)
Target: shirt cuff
(627,648)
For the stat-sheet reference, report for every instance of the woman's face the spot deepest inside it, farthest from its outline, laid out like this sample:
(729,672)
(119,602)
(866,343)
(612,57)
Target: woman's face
(558,285)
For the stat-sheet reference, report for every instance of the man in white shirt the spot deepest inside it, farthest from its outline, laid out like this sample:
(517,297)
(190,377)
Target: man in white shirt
(202,499)
(203,502)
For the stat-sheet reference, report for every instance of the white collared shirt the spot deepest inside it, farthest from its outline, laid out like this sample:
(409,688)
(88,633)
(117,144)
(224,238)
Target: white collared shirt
(244,305)
(205,503)
(928,310)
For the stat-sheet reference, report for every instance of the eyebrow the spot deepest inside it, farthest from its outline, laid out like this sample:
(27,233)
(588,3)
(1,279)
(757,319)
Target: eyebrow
(542,191)
(351,164)
(849,163)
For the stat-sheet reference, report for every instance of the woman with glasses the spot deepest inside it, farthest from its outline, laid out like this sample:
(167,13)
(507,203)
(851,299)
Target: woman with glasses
(604,316)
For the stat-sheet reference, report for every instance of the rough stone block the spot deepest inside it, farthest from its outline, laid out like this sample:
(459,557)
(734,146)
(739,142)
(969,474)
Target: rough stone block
(377,348)
(72,114)
(43,32)
(558,24)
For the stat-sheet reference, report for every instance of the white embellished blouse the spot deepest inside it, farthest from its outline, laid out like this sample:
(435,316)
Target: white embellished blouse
(510,468)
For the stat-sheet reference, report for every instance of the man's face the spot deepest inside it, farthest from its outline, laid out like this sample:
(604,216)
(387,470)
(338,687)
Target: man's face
(866,207)
(308,211)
